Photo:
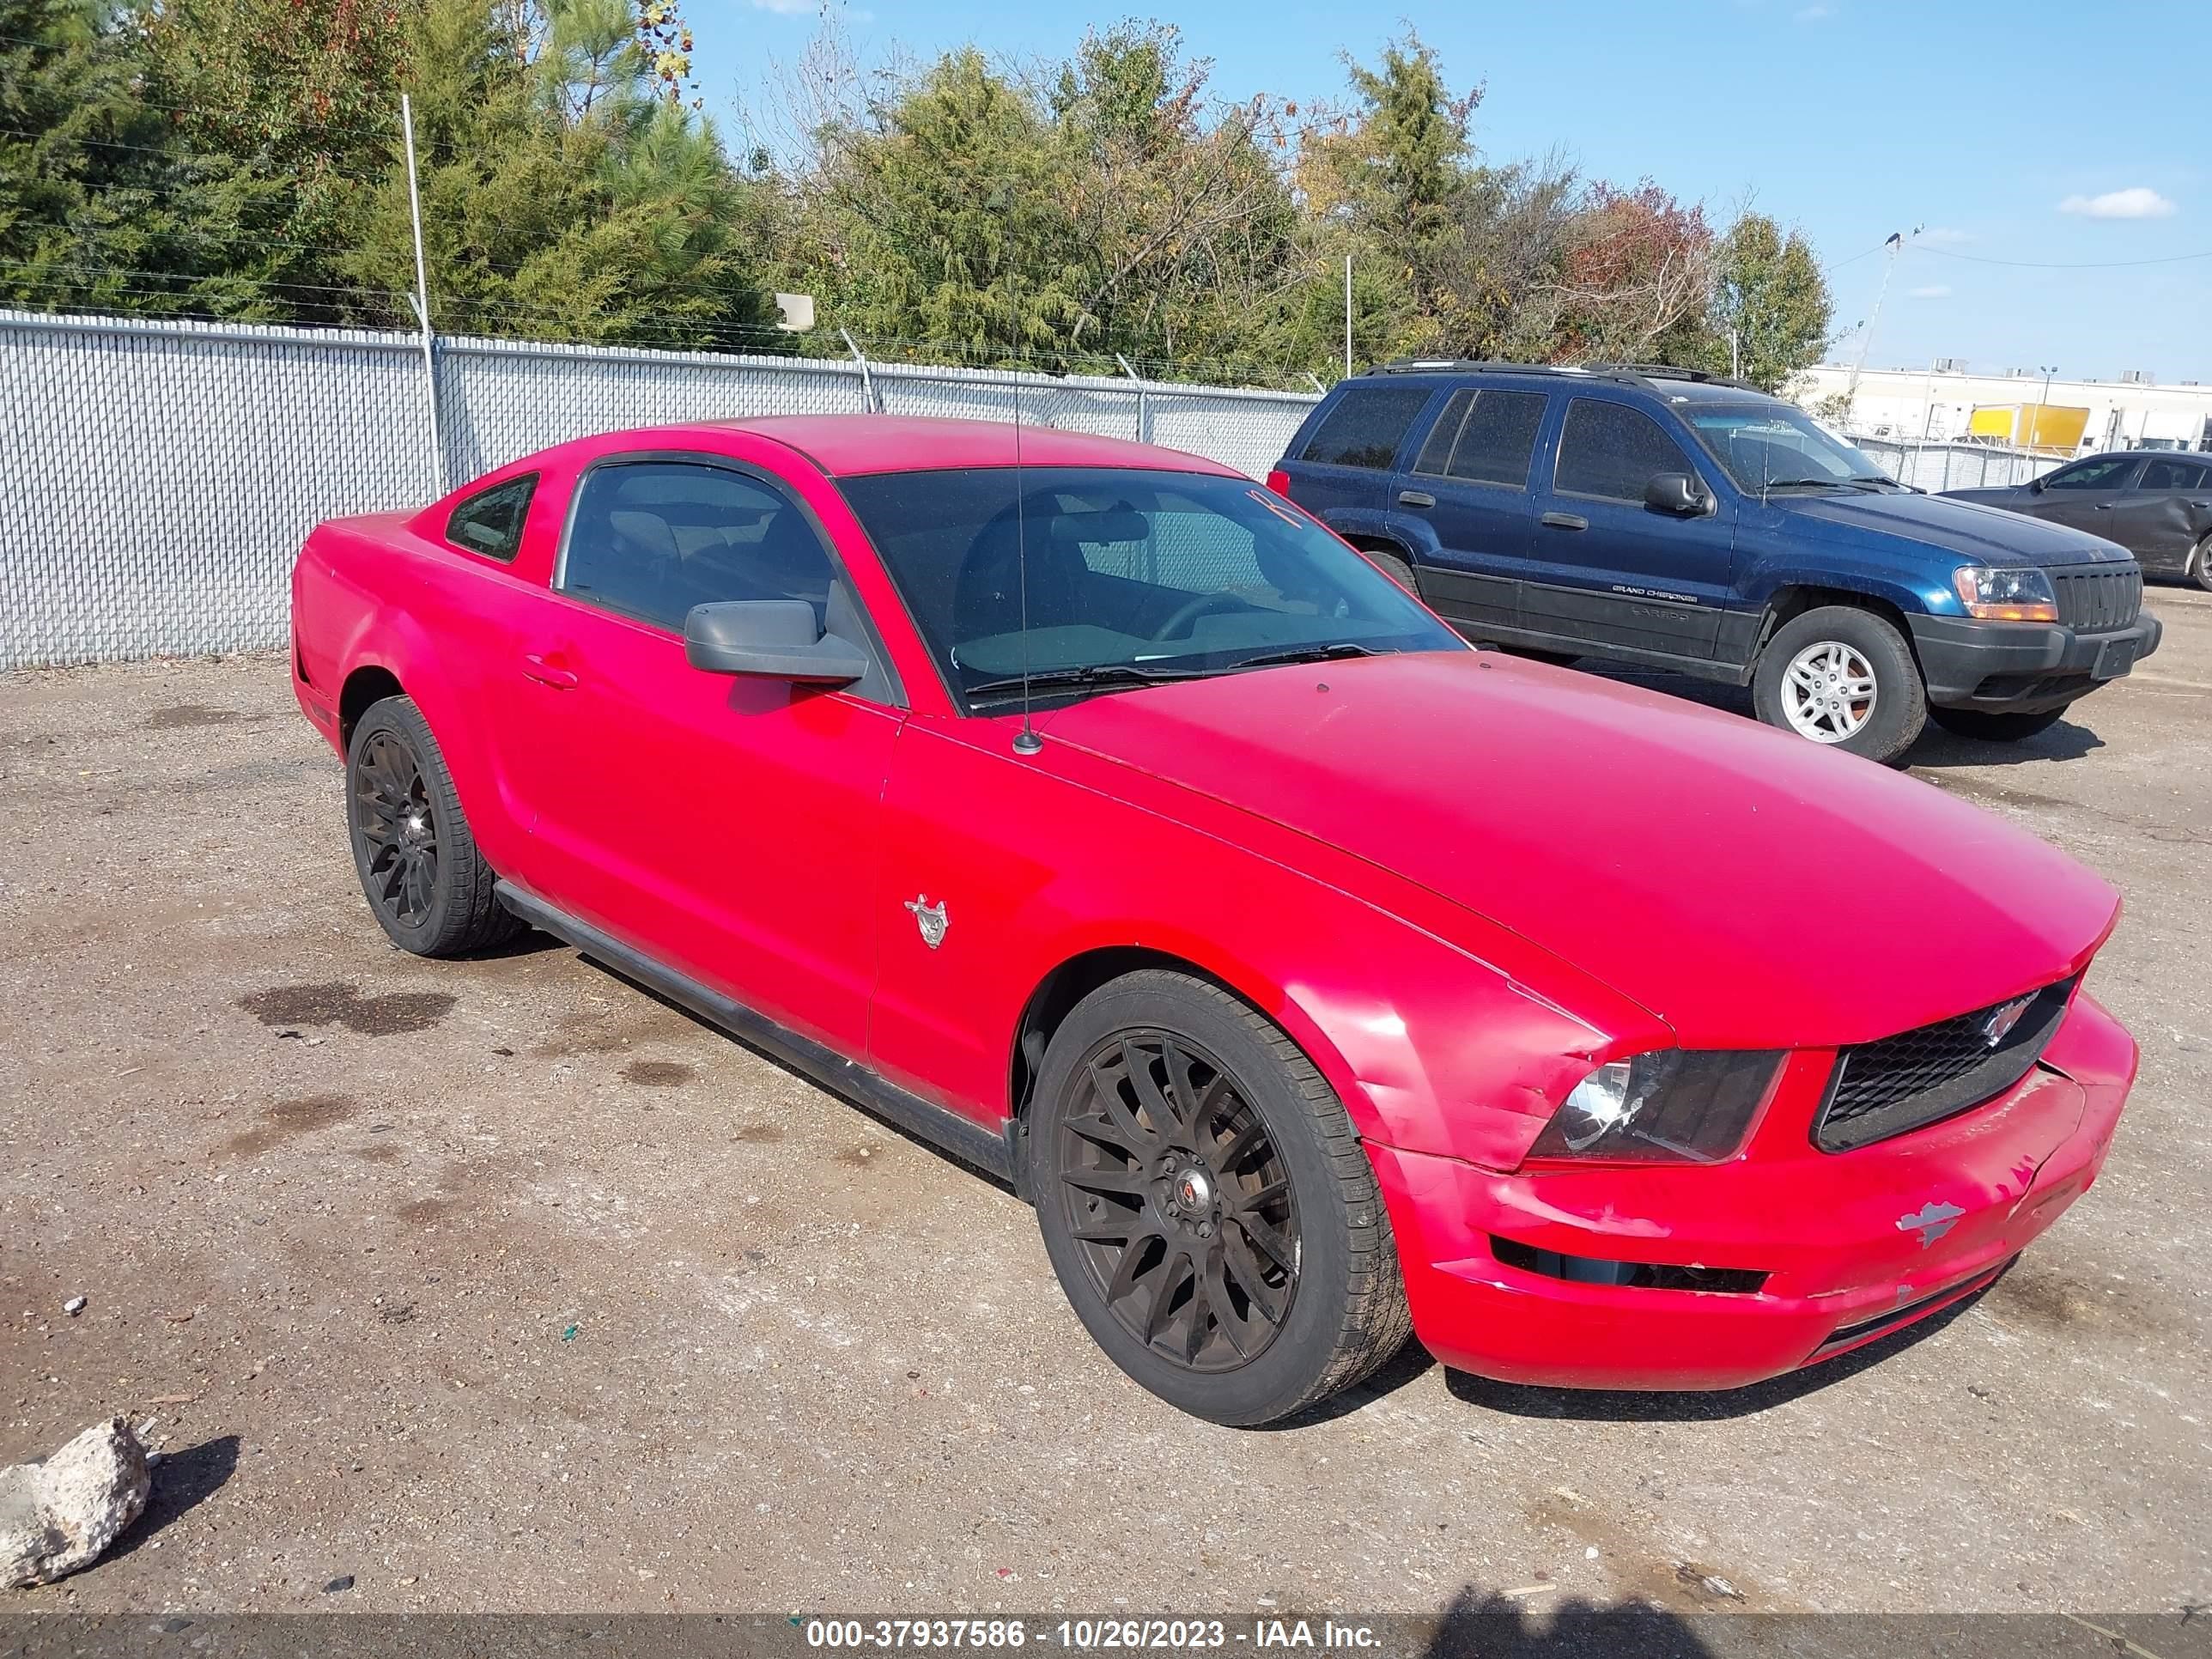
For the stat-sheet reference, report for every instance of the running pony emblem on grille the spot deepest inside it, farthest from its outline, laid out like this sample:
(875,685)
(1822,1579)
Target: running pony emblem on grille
(1932,1221)
(1998,1024)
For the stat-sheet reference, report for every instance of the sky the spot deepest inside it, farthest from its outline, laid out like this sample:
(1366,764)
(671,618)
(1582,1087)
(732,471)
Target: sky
(2013,139)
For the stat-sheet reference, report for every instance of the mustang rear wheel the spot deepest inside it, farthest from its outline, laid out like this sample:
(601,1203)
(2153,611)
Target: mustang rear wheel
(1843,677)
(2200,564)
(1206,1205)
(428,886)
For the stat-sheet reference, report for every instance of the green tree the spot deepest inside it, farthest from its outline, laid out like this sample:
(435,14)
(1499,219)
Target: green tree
(1769,293)
(97,211)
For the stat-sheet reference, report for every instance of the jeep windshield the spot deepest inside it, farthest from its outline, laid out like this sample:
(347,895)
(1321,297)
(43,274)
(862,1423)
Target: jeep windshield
(1091,580)
(1770,447)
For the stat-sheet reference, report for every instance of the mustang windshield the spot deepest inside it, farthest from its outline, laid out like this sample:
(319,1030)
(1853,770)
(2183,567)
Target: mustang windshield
(1125,577)
(1771,445)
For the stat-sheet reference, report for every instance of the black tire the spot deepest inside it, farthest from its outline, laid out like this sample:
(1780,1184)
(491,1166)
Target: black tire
(1898,708)
(1396,565)
(2200,564)
(427,885)
(1293,1199)
(1993,726)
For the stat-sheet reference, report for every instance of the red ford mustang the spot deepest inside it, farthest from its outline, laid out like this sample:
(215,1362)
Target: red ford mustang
(1091,812)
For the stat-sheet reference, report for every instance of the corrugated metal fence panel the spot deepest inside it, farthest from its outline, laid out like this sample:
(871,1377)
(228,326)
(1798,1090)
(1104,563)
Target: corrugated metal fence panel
(1940,467)
(160,476)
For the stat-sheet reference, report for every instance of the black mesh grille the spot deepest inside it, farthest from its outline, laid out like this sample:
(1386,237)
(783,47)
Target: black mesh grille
(2095,600)
(1895,1084)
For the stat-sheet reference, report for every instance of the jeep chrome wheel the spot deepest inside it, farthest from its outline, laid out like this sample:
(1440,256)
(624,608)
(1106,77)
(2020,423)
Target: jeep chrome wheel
(1828,692)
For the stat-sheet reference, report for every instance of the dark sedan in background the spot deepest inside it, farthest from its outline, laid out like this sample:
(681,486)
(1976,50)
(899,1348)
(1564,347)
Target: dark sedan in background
(2155,503)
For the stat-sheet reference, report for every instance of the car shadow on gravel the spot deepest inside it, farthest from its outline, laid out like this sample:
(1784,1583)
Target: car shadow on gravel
(182,1481)
(1480,1625)
(1713,1406)
(2064,742)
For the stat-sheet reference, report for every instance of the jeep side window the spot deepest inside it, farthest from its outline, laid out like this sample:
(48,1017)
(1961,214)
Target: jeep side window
(1485,437)
(1366,426)
(1611,451)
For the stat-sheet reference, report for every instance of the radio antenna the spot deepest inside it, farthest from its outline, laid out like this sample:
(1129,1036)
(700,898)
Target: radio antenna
(1026,741)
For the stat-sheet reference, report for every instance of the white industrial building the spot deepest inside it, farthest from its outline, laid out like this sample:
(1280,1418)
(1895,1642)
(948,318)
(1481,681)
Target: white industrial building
(1939,403)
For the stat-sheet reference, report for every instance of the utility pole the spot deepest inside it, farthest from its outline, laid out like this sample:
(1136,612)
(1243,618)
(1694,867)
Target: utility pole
(422,298)
(1347,316)
(2035,432)
(1896,246)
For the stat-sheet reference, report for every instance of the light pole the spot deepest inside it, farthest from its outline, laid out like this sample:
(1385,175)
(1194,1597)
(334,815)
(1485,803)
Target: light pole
(2035,434)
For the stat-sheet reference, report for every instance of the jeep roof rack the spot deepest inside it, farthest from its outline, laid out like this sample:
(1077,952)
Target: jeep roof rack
(1627,374)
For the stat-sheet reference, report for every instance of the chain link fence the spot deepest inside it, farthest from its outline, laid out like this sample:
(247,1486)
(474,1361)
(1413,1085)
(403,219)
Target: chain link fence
(1936,467)
(160,476)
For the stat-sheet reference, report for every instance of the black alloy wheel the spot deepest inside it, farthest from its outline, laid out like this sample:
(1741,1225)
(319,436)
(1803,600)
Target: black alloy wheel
(1182,1206)
(428,885)
(395,816)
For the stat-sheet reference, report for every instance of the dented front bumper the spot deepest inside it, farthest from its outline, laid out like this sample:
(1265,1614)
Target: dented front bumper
(1851,1246)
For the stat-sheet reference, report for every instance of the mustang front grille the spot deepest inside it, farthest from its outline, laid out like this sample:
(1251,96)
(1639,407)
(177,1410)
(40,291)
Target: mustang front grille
(1894,1084)
(2096,600)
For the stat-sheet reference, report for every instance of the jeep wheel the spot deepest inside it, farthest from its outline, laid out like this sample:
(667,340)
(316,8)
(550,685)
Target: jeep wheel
(2200,564)
(1206,1204)
(427,885)
(1844,677)
(1992,726)
(1395,567)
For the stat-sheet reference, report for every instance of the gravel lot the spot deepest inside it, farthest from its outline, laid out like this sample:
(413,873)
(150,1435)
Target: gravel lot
(499,1284)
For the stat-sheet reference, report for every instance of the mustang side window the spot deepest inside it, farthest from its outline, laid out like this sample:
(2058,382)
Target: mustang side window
(1611,451)
(650,539)
(490,521)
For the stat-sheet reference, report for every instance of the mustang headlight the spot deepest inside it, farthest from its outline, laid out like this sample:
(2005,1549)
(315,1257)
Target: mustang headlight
(2010,594)
(1696,1104)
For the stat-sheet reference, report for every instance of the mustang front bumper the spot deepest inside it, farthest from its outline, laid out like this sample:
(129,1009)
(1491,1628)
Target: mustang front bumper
(1852,1245)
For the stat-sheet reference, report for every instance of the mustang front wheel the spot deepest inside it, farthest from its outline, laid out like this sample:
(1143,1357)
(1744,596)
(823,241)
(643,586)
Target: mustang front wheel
(1206,1205)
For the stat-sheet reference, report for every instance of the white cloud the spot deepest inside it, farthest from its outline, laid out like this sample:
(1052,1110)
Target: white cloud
(1944,235)
(2139,203)
(1813,14)
(1933,291)
(788,8)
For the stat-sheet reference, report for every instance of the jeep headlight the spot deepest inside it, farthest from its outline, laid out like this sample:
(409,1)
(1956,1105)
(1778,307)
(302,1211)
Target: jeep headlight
(2009,594)
(1695,1104)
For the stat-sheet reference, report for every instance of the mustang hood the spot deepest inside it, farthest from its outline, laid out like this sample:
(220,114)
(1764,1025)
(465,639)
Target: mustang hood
(1987,535)
(1747,887)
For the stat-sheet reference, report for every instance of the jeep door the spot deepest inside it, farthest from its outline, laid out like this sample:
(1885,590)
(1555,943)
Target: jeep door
(1616,574)
(1470,483)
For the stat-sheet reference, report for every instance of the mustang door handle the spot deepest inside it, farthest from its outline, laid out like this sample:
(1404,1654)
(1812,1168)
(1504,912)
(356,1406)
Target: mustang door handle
(1416,498)
(2104,506)
(1564,521)
(545,673)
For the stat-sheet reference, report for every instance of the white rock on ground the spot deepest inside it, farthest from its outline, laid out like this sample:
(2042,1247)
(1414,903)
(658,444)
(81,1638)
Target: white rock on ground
(58,1515)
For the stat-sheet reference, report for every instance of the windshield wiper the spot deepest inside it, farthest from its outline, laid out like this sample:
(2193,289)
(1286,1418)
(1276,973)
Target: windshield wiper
(1095,674)
(1307,654)
(1856,481)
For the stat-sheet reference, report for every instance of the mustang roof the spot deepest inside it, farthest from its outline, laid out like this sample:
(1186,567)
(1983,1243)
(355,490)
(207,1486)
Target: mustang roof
(849,444)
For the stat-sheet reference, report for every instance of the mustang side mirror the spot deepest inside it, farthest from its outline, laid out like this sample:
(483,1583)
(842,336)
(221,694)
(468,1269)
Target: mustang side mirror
(1677,493)
(2038,484)
(773,639)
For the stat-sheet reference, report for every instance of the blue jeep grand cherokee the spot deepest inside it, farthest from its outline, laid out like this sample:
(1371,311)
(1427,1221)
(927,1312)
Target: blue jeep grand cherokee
(1663,517)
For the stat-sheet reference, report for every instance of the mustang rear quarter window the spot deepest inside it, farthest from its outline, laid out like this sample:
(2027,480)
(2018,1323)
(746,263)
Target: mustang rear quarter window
(490,521)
